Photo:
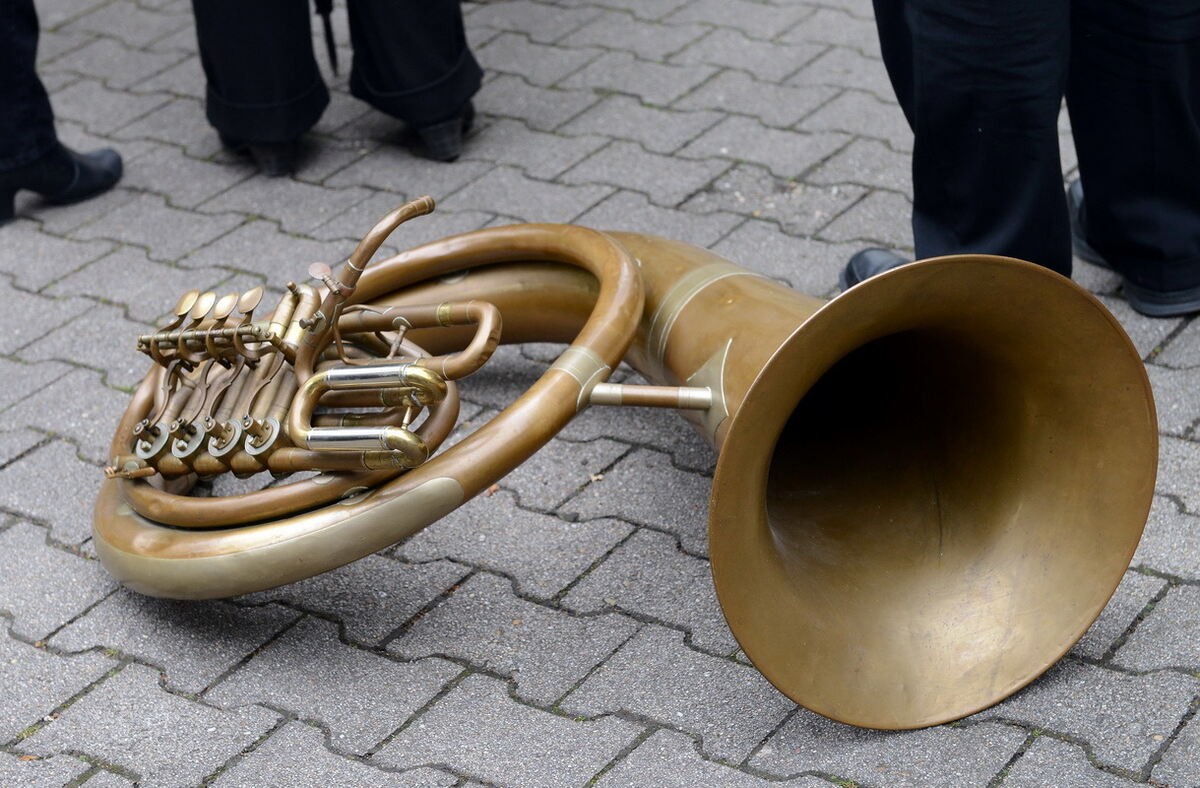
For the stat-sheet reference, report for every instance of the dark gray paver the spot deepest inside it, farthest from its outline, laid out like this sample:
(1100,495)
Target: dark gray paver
(36,258)
(545,651)
(653,83)
(868,163)
(648,575)
(1171,541)
(632,212)
(862,115)
(74,342)
(297,206)
(53,585)
(645,488)
(167,233)
(14,443)
(100,110)
(541,108)
(880,218)
(943,757)
(479,731)
(810,266)
(730,706)
(371,597)
(774,105)
(658,130)
(1180,764)
(754,19)
(542,553)
(846,68)
(1131,597)
(35,487)
(193,643)
(523,197)
(185,180)
(295,756)
(1168,637)
(541,22)
(1050,763)
(538,154)
(260,247)
(36,682)
(667,181)
(732,48)
(1179,471)
(359,696)
(33,316)
(117,66)
(60,410)
(785,153)
(654,427)
(558,470)
(1176,398)
(1184,349)
(538,64)
(166,740)
(1147,333)
(29,770)
(23,380)
(617,30)
(129,22)
(1124,718)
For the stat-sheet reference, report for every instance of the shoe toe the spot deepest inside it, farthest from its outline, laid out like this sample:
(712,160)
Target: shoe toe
(868,263)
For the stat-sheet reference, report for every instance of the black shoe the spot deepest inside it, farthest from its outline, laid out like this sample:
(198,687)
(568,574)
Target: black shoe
(867,263)
(443,141)
(61,176)
(1153,303)
(273,159)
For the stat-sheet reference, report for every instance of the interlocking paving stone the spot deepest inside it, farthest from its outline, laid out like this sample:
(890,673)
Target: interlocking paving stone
(53,485)
(185,78)
(58,409)
(1176,397)
(846,68)
(658,130)
(1180,764)
(1168,637)
(1147,333)
(262,248)
(729,705)
(649,576)
(785,153)
(35,258)
(107,779)
(756,19)
(538,154)
(33,316)
(23,380)
(36,682)
(193,643)
(180,122)
(774,105)
(644,9)
(167,740)
(1050,763)
(295,756)
(119,67)
(1179,472)
(869,163)
(1131,597)
(360,696)
(479,731)
(14,443)
(666,180)
(654,427)
(1123,718)
(836,26)
(103,111)
(538,64)
(544,109)
(297,206)
(167,233)
(542,553)
(731,48)
(943,757)
(526,197)
(542,22)
(669,760)
(645,488)
(357,221)
(881,217)
(45,587)
(119,364)
(862,115)
(1094,278)
(371,597)
(129,22)
(187,181)
(546,651)
(631,212)
(616,30)
(1184,349)
(654,83)
(809,266)
(394,169)
(57,770)
(1171,541)
(558,470)
(800,208)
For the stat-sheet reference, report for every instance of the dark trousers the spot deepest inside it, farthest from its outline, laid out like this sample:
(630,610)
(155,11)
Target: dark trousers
(981,82)
(26,120)
(410,60)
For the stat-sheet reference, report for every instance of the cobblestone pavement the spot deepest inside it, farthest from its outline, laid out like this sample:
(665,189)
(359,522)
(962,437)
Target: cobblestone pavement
(562,631)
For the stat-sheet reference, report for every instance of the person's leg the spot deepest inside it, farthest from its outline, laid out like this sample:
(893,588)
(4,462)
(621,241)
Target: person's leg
(411,60)
(264,87)
(1134,98)
(31,156)
(981,84)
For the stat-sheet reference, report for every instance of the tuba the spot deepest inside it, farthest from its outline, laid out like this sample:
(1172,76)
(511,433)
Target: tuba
(927,487)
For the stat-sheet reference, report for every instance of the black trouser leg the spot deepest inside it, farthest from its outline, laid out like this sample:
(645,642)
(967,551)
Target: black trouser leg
(26,120)
(411,58)
(263,81)
(981,83)
(1134,97)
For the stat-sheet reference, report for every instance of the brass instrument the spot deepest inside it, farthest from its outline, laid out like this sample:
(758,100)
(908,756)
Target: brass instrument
(927,488)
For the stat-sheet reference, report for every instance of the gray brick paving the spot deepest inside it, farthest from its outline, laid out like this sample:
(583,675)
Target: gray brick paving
(295,756)
(547,652)
(944,757)
(371,598)
(1168,637)
(766,130)
(192,643)
(479,731)
(164,739)
(54,586)
(730,706)
(359,696)
(56,770)
(648,575)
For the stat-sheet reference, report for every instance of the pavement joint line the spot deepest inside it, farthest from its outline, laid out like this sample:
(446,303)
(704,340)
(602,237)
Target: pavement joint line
(745,762)
(1001,775)
(1165,341)
(247,657)
(1166,743)
(424,610)
(283,720)
(51,715)
(1040,730)
(446,689)
(1146,610)
(558,597)
(624,752)
(557,702)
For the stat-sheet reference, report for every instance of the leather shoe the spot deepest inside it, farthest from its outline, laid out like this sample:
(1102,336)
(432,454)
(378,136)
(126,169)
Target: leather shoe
(61,176)
(1154,303)
(867,263)
(443,141)
(273,159)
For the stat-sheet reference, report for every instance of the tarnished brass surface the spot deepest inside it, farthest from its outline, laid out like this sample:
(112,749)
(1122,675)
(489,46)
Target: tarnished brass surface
(926,490)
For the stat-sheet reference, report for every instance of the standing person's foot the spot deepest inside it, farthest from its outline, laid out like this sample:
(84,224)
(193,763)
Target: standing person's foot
(273,159)
(1154,303)
(61,176)
(867,263)
(443,141)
